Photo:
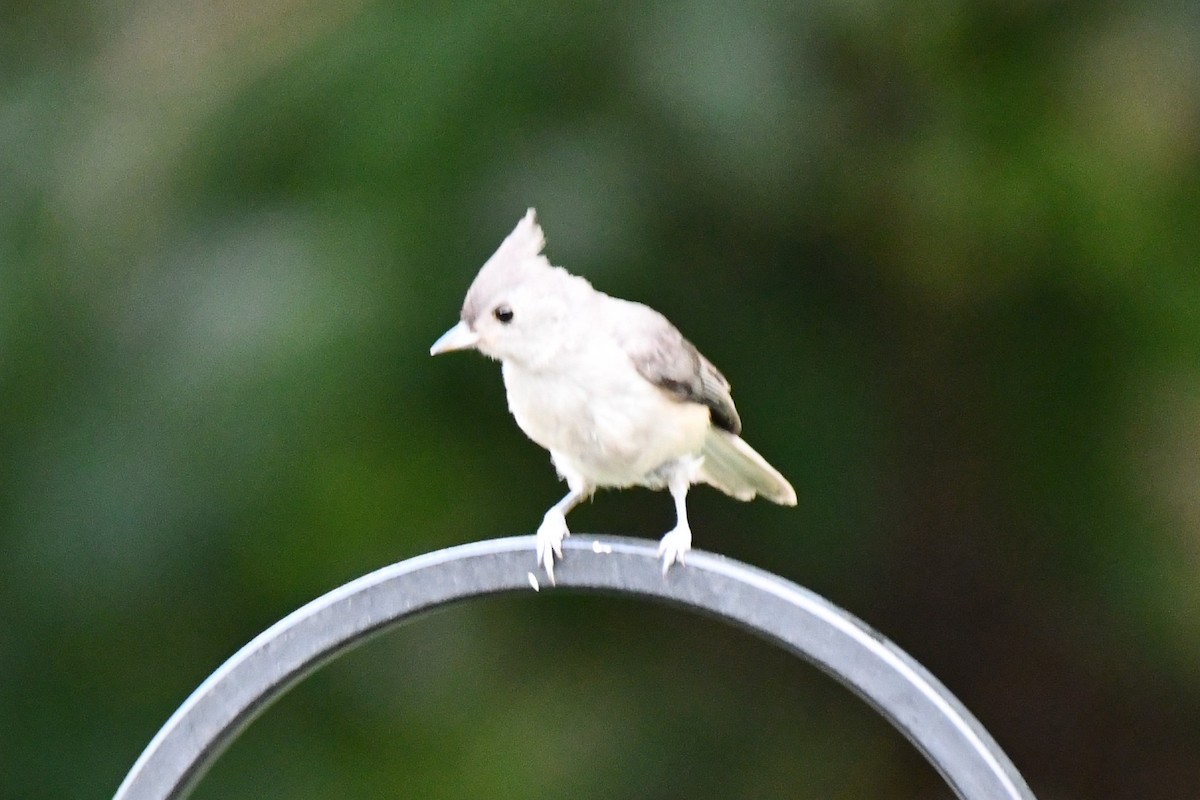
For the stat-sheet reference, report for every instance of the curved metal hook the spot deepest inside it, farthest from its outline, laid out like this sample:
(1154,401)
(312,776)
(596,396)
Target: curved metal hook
(800,621)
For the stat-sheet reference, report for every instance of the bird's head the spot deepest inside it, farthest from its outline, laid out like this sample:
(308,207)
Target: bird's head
(519,306)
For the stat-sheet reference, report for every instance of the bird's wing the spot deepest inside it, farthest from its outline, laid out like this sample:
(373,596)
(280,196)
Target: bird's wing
(662,356)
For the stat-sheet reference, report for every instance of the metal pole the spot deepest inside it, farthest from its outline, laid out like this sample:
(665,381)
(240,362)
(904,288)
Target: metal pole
(793,617)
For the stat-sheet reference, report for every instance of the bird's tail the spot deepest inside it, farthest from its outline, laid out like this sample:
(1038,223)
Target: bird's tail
(735,468)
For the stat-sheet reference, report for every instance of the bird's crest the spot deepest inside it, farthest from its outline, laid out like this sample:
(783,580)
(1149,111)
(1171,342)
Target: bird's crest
(518,258)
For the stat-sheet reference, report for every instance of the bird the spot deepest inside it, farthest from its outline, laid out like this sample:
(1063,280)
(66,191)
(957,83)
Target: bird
(609,387)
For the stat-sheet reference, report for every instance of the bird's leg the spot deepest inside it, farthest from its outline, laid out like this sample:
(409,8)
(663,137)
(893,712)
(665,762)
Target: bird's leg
(679,539)
(553,530)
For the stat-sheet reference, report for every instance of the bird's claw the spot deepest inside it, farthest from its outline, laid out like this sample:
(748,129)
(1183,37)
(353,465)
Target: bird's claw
(550,535)
(674,546)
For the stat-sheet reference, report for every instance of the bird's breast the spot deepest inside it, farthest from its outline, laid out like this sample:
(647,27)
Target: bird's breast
(612,425)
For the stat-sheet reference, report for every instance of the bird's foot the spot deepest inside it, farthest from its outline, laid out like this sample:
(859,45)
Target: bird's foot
(674,545)
(550,535)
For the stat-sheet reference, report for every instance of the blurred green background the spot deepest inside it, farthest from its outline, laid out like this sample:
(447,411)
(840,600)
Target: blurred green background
(948,255)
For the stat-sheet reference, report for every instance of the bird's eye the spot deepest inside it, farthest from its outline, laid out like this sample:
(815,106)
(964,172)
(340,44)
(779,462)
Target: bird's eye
(503,313)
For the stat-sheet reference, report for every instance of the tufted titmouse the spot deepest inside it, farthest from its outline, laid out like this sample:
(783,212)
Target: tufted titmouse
(609,387)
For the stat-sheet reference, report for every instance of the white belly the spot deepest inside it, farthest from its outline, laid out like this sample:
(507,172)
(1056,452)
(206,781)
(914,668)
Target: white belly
(604,421)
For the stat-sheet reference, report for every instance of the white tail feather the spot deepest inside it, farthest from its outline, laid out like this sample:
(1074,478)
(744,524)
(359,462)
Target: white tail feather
(735,468)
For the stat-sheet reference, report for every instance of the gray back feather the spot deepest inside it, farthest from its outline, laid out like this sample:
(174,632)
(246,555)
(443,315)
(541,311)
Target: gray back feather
(662,356)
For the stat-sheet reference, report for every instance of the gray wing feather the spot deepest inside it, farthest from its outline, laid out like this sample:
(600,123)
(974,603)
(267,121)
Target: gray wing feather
(662,356)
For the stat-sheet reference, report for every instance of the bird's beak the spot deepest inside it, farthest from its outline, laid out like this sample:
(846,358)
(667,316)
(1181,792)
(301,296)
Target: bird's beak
(460,337)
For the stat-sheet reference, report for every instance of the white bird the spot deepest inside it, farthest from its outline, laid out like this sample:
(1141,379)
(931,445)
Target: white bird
(609,387)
